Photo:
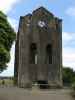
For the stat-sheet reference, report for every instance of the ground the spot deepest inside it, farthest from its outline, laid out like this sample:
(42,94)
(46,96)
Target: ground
(15,93)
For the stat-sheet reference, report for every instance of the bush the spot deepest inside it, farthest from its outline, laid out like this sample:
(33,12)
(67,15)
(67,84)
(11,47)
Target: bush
(73,86)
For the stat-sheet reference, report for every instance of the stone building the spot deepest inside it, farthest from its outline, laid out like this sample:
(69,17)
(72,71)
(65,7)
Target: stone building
(38,53)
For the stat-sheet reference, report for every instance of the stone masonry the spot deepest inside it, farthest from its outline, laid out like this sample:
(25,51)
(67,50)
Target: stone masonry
(38,50)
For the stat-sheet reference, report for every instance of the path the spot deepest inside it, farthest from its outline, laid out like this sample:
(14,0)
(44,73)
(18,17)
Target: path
(14,93)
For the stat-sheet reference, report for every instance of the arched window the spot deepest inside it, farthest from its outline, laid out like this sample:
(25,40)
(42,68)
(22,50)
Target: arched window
(33,53)
(49,54)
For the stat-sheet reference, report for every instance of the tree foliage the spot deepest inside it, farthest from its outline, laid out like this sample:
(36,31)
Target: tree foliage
(7,36)
(68,76)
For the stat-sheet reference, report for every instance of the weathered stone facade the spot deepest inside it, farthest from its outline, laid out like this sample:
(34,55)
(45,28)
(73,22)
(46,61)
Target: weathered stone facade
(38,53)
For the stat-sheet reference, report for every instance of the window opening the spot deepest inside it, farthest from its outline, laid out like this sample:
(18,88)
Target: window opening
(33,54)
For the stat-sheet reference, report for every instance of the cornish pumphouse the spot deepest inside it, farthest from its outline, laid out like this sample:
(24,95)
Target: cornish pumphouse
(38,50)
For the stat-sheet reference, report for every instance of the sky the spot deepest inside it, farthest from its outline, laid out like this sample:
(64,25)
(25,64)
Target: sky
(64,9)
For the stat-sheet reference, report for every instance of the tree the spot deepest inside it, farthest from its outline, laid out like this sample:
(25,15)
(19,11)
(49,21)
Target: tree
(68,76)
(7,36)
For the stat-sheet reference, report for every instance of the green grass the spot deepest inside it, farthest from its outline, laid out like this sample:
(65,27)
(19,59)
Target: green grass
(6,82)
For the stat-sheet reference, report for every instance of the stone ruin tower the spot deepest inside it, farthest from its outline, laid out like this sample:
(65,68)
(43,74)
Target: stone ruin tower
(38,53)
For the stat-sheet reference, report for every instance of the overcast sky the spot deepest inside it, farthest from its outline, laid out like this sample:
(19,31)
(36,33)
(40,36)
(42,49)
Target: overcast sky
(64,9)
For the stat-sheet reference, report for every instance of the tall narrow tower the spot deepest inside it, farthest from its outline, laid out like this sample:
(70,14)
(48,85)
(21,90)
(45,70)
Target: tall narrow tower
(38,53)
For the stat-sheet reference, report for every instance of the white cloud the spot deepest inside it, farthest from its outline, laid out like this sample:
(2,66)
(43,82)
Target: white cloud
(7,5)
(68,39)
(69,57)
(71,11)
(69,49)
(67,36)
(13,23)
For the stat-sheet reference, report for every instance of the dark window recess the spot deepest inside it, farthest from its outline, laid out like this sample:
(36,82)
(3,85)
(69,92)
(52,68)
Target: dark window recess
(33,53)
(43,84)
(49,54)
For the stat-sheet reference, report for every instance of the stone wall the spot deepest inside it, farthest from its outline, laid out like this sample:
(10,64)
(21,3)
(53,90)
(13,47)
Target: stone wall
(42,29)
